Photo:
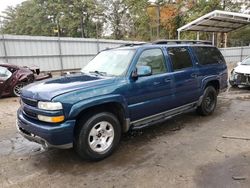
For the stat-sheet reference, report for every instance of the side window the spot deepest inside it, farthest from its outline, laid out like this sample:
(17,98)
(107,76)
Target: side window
(4,73)
(208,55)
(153,58)
(180,58)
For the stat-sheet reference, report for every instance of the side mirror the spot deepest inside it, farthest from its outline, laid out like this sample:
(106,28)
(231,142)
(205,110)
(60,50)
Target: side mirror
(142,71)
(239,63)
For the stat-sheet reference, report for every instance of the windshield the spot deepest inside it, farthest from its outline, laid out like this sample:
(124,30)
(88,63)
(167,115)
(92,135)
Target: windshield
(246,61)
(110,63)
(4,73)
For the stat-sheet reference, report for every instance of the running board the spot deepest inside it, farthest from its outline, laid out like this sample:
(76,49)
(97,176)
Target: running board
(158,118)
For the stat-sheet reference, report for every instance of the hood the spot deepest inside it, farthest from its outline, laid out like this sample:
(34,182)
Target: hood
(244,69)
(47,90)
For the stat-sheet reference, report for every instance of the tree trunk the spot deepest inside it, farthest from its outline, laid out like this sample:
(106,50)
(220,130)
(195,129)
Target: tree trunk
(82,28)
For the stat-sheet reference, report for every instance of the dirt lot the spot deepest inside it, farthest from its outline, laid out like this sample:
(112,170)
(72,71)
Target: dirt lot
(187,151)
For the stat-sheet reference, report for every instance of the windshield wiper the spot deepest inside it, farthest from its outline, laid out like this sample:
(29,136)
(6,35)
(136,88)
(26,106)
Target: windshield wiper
(98,72)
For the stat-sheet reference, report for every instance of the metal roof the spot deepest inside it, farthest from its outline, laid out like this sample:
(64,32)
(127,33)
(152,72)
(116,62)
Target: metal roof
(217,21)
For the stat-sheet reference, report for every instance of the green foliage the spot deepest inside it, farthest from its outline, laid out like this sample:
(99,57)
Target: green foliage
(32,22)
(118,19)
(139,27)
(240,37)
(72,18)
(127,19)
(201,8)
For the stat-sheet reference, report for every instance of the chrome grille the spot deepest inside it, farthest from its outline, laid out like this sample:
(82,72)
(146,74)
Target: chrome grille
(27,107)
(242,78)
(30,102)
(29,113)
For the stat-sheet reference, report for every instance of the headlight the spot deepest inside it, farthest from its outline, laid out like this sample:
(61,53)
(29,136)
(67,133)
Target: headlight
(50,105)
(234,75)
(55,119)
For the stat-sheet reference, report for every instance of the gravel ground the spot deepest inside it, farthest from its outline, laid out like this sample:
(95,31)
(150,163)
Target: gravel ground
(186,151)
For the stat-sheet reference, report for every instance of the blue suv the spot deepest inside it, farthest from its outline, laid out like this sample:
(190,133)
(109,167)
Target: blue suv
(124,88)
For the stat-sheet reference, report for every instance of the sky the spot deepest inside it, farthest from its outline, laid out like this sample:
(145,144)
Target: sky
(5,3)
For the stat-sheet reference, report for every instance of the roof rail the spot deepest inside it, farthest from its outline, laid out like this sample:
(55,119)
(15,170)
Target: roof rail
(125,45)
(182,42)
(133,44)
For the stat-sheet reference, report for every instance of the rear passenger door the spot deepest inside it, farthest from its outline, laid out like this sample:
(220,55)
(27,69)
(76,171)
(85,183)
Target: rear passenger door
(185,75)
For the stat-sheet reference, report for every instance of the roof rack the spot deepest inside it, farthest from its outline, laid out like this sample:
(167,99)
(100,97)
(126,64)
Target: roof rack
(125,45)
(182,42)
(133,44)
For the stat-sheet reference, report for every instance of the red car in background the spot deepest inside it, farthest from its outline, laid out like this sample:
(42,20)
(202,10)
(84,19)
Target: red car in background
(13,78)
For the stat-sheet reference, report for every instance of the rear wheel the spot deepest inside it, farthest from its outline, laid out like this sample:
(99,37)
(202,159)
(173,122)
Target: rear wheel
(98,136)
(209,102)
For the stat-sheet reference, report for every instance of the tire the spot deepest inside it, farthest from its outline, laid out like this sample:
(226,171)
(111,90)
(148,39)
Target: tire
(16,90)
(232,84)
(98,136)
(209,102)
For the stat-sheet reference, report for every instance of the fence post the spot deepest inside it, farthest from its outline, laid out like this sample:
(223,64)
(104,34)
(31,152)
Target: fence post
(97,45)
(60,54)
(241,53)
(4,49)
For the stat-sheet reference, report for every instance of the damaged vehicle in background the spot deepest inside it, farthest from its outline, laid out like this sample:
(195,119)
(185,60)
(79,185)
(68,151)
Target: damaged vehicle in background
(240,75)
(13,78)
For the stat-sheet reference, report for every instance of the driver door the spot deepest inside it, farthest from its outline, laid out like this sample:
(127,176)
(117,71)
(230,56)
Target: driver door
(151,94)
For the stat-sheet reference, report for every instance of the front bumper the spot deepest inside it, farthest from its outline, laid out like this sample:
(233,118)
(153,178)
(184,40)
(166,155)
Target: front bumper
(49,135)
(239,79)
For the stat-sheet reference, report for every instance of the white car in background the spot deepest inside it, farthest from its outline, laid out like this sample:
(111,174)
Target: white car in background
(240,75)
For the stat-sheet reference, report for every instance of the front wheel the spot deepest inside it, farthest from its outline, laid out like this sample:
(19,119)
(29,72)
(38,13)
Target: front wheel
(98,136)
(233,84)
(16,91)
(209,102)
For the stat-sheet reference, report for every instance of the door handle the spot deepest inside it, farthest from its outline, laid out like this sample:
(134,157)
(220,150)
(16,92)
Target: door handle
(194,75)
(167,80)
(156,83)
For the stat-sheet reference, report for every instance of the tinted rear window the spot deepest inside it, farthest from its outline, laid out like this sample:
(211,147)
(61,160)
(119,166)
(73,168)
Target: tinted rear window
(208,55)
(180,58)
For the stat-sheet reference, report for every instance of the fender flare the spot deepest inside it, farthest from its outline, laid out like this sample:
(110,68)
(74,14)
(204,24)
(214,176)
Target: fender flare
(208,79)
(77,108)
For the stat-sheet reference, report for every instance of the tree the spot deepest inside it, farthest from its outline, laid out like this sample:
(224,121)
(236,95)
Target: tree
(139,28)
(117,17)
(42,17)
(171,18)
(127,19)
(27,19)
(122,19)
(79,17)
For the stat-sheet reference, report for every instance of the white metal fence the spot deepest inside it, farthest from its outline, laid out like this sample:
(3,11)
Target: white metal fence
(55,54)
(51,53)
(235,54)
